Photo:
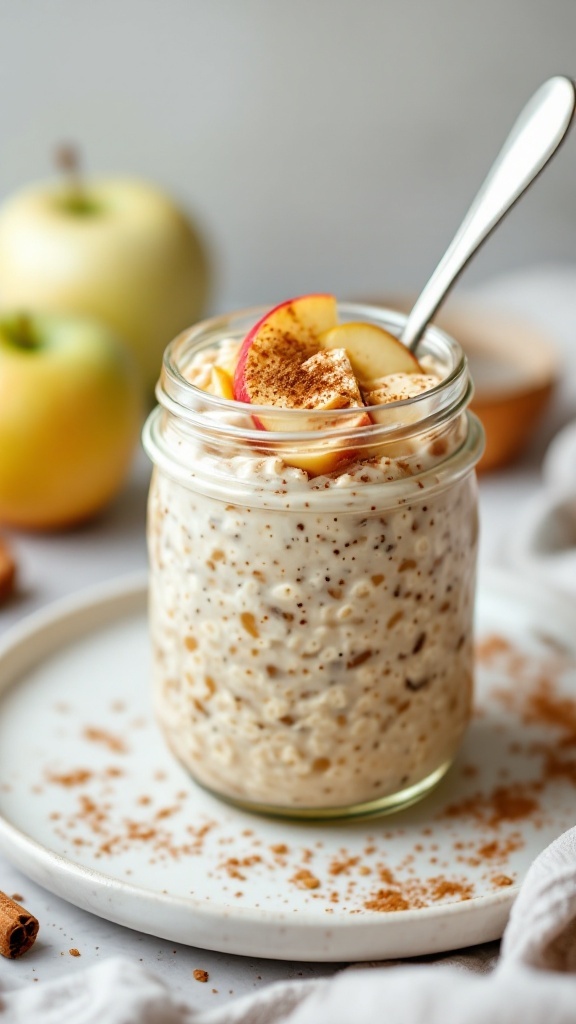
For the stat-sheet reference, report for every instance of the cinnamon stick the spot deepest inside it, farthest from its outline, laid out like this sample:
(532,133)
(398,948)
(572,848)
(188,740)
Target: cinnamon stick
(18,928)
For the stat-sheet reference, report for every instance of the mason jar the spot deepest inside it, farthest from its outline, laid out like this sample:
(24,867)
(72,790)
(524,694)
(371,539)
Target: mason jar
(312,583)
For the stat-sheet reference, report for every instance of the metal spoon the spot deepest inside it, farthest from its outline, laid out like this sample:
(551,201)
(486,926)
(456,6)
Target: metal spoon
(534,138)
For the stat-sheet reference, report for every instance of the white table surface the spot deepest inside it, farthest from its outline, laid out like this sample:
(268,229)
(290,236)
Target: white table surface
(51,566)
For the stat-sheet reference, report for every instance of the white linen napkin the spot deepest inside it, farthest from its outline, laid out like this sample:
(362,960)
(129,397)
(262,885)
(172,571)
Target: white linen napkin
(533,982)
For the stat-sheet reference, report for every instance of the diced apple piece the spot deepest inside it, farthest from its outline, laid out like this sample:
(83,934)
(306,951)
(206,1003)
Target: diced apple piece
(329,382)
(372,351)
(397,387)
(320,458)
(282,364)
(221,383)
(283,339)
(323,382)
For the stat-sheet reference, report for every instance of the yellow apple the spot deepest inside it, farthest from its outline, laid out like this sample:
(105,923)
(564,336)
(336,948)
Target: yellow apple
(70,415)
(118,250)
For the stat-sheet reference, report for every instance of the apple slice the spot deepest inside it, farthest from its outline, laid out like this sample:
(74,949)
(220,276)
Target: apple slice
(372,351)
(278,345)
(282,364)
(320,457)
(321,383)
(326,382)
(397,387)
(221,383)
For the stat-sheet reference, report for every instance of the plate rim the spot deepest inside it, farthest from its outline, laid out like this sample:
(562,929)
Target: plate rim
(129,591)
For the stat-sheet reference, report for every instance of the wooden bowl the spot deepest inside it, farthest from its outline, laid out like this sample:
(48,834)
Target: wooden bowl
(515,368)
(514,365)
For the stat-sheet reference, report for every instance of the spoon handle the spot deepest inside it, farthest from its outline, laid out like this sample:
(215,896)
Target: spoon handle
(534,138)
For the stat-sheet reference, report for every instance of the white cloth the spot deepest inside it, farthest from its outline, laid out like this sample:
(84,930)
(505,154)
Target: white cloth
(533,981)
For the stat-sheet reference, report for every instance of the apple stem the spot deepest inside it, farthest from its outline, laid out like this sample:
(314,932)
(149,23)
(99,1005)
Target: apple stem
(76,199)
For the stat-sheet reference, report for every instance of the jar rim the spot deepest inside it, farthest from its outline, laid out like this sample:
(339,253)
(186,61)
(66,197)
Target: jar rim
(184,399)
(197,437)
(429,481)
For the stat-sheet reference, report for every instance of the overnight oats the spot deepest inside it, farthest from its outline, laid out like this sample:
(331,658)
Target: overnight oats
(312,540)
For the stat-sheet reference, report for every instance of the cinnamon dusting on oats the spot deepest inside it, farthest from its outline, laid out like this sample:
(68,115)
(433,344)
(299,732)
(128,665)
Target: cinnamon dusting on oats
(289,373)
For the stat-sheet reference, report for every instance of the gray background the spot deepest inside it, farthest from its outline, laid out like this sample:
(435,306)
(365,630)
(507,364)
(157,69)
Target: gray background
(321,144)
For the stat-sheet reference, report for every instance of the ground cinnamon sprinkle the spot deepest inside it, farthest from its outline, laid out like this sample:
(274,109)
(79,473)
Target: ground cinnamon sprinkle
(108,837)
(114,743)
(442,887)
(73,778)
(538,702)
(410,893)
(511,803)
(496,851)
(233,865)
(357,880)
(515,802)
(546,707)
(166,812)
(556,767)
(342,866)
(304,879)
(502,880)
(92,813)
(491,647)
(387,900)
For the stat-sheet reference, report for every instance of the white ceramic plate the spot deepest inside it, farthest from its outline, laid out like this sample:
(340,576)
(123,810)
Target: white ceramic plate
(93,807)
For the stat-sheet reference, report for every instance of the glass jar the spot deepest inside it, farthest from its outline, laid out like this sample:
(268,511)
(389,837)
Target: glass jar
(312,584)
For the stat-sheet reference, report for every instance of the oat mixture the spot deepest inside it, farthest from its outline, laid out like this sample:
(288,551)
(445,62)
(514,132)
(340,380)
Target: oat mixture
(313,649)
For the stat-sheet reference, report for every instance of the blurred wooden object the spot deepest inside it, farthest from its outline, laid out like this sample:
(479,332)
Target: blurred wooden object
(7,571)
(514,365)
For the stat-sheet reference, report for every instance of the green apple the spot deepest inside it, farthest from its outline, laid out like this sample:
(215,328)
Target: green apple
(117,249)
(70,415)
